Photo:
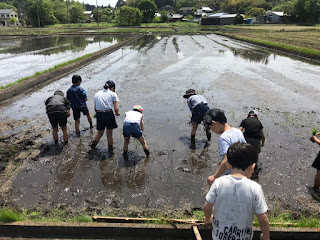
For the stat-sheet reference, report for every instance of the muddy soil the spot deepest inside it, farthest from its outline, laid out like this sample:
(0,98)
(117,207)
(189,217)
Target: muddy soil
(155,72)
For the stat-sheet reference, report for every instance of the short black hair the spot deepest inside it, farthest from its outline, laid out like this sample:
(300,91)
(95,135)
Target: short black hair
(215,114)
(242,155)
(111,84)
(76,79)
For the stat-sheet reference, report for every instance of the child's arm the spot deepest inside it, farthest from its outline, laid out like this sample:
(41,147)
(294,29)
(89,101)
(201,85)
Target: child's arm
(315,139)
(264,226)
(116,108)
(207,209)
(263,138)
(142,124)
(222,168)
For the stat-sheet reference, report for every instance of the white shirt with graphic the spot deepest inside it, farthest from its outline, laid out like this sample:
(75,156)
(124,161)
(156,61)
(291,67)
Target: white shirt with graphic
(235,200)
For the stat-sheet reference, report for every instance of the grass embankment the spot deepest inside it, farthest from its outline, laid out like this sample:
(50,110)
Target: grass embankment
(44,71)
(9,215)
(301,40)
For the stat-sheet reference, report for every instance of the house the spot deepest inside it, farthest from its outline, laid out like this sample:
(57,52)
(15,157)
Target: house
(5,15)
(173,17)
(275,17)
(204,11)
(88,15)
(212,19)
(218,19)
(186,11)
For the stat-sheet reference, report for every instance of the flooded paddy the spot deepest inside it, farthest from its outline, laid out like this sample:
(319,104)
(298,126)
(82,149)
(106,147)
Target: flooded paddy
(22,57)
(155,72)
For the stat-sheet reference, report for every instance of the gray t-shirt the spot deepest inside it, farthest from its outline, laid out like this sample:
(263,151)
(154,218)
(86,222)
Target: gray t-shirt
(194,100)
(104,100)
(228,138)
(236,200)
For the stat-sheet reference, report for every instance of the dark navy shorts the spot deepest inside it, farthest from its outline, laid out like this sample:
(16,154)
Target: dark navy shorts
(58,118)
(316,163)
(106,120)
(76,112)
(198,112)
(132,129)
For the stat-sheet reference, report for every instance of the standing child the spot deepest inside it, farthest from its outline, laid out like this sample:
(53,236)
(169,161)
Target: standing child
(58,110)
(253,133)
(134,126)
(236,198)
(217,122)
(198,106)
(78,97)
(316,165)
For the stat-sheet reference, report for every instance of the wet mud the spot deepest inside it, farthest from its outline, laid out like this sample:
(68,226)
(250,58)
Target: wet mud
(155,71)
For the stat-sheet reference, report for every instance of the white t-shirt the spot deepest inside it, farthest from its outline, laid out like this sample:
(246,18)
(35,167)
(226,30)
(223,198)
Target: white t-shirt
(133,117)
(235,200)
(228,138)
(104,100)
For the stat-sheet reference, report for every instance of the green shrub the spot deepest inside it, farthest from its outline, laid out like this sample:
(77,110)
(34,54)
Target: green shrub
(8,215)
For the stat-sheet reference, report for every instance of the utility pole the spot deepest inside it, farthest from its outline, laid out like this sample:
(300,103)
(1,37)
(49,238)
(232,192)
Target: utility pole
(67,2)
(38,13)
(97,13)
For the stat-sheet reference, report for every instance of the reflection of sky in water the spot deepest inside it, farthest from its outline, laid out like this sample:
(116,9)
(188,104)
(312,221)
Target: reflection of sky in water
(24,57)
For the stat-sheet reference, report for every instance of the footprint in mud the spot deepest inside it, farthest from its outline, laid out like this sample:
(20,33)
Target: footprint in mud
(182,169)
(50,150)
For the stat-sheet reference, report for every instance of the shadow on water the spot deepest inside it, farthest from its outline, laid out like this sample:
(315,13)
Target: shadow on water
(148,42)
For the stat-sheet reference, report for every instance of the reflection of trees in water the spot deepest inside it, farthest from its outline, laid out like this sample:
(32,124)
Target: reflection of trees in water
(57,44)
(147,42)
(252,56)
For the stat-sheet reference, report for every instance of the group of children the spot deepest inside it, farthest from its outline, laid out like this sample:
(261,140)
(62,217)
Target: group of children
(105,106)
(233,196)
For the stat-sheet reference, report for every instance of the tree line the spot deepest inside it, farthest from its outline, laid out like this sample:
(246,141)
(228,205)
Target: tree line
(40,13)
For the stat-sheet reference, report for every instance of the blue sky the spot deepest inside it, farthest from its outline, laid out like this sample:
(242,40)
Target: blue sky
(100,2)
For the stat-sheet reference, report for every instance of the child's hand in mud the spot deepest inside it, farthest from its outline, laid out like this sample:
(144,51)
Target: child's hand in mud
(312,139)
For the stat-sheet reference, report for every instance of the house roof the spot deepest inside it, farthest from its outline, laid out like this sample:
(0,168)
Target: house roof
(279,13)
(87,12)
(174,15)
(6,11)
(228,16)
(216,15)
(206,9)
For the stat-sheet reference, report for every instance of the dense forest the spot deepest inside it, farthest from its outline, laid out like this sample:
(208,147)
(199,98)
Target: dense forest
(47,12)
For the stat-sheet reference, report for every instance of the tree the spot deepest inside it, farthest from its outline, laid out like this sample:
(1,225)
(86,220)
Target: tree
(60,11)
(164,16)
(148,9)
(255,12)
(6,6)
(97,15)
(307,11)
(12,21)
(120,4)
(128,16)
(40,13)
(76,12)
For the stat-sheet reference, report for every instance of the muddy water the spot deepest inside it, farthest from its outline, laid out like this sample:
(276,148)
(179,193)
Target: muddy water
(22,57)
(155,72)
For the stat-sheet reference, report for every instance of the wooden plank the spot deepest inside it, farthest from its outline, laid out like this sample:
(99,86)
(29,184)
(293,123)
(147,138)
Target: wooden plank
(196,232)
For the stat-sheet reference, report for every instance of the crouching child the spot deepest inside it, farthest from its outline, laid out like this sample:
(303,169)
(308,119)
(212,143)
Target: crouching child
(134,126)
(235,198)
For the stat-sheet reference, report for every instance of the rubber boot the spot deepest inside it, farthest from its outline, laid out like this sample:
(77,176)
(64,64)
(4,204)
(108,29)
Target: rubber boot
(93,144)
(91,126)
(208,133)
(193,142)
(110,148)
(125,155)
(146,152)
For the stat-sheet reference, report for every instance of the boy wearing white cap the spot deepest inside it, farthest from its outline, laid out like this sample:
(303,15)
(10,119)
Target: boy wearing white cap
(134,126)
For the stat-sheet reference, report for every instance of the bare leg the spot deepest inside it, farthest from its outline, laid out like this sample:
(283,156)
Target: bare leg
(126,144)
(98,136)
(110,136)
(194,128)
(89,119)
(77,126)
(55,134)
(65,134)
(143,142)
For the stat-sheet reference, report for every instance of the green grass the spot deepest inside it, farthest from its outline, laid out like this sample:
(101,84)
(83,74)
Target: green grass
(314,131)
(45,71)
(291,48)
(9,215)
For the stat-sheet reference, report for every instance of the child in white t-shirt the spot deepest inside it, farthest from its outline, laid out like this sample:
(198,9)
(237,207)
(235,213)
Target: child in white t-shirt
(134,126)
(236,198)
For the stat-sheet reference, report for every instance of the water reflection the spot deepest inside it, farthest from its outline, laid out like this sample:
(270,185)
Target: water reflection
(53,45)
(22,57)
